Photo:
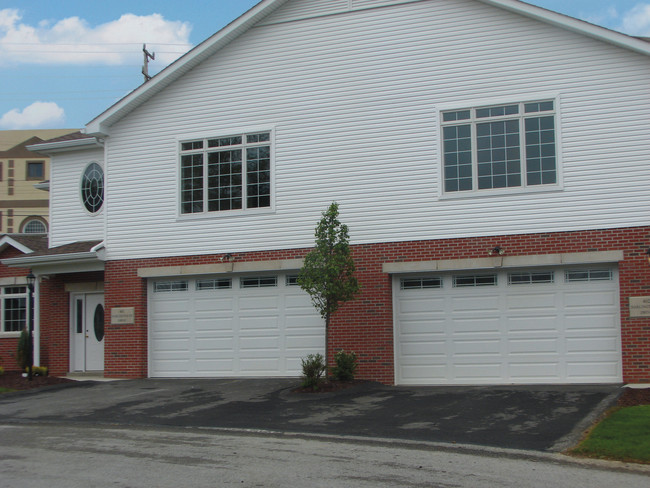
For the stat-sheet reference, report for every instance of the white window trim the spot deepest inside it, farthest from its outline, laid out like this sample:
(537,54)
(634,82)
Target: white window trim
(10,334)
(486,102)
(215,134)
(80,186)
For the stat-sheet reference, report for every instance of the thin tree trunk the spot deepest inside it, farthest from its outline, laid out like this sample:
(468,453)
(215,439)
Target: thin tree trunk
(327,342)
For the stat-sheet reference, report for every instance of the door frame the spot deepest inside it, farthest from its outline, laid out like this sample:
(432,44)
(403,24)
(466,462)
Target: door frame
(73,315)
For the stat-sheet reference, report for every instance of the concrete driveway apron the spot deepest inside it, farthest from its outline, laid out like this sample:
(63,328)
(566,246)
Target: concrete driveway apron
(541,418)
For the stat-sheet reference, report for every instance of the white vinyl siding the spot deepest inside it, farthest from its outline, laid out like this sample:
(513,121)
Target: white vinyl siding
(354,99)
(69,219)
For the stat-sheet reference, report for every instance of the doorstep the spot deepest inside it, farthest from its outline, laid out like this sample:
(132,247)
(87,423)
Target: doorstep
(89,376)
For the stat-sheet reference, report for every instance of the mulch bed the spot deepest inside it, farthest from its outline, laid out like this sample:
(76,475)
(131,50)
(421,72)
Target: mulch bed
(14,380)
(632,397)
(330,385)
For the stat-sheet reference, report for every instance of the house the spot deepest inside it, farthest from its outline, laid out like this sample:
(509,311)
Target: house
(24,208)
(489,157)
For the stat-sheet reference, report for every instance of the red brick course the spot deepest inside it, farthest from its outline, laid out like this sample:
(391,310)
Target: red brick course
(364,325)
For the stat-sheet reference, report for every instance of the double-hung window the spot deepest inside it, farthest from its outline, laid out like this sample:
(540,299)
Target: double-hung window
(13,308)
(226,173)
(499,146)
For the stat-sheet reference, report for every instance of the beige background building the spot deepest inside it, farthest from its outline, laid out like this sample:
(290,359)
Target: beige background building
(24,208)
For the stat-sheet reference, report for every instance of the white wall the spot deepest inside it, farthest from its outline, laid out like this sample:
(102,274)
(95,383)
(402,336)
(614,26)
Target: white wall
(353,98)
(69,219)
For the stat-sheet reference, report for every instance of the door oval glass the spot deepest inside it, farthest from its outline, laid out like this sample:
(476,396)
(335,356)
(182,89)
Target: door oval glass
(99,322)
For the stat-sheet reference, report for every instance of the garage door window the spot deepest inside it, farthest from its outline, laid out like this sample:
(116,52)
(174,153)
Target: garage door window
(216,284)
(530,278)
(259,282)
(168,286)
(291,280)
(420,283)
(475,280)
(581,275)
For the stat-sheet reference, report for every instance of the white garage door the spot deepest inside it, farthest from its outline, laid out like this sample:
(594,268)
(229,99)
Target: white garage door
(235,326)
(522,326)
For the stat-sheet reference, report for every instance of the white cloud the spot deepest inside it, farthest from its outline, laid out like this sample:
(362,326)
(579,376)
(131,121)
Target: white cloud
(38,115)
(636,21)
(73,41)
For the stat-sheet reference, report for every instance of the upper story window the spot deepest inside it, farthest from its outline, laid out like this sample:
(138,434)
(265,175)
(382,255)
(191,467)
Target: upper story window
(499,146)
(226,173)
(34,226)
(35,170)
(92,188)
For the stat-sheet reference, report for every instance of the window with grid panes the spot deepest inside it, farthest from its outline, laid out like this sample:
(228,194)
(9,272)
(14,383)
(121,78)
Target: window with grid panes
(13,305)
(226,173)
(500,146)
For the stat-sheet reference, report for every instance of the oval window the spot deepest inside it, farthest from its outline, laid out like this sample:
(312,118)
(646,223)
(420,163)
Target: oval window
(92,187)
(99,322)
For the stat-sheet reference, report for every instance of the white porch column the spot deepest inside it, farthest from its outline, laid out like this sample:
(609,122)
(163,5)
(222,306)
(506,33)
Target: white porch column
(37,322)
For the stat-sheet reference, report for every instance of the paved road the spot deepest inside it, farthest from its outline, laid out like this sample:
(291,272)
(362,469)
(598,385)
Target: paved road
(86,456)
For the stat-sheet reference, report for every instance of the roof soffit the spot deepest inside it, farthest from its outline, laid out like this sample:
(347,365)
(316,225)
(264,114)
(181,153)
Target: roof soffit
(101,124)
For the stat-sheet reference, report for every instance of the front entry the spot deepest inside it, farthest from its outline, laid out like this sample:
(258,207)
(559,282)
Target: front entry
(87,345)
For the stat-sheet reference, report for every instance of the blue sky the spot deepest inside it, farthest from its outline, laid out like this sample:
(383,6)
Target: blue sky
(63,62)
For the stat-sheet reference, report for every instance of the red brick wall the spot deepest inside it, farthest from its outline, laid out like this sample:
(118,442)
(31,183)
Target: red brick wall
(9,345)
(366,324)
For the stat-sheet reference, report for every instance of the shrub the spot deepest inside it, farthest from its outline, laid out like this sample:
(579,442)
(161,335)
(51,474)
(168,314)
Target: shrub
(346,365)
(25,348)
(37,370)
(2,371)
(313,369)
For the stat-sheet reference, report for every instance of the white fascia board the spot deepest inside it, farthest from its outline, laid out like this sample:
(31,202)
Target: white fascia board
(8,241)
(74,144)
(573,24)
(101,123)
(45,186)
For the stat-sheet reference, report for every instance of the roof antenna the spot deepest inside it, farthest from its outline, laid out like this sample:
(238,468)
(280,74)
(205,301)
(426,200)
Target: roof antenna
(147,57)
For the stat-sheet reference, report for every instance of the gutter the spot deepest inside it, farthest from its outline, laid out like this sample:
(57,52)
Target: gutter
(78,257)
(53,147)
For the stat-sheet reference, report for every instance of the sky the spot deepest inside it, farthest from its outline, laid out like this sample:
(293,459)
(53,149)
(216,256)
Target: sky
(63,62)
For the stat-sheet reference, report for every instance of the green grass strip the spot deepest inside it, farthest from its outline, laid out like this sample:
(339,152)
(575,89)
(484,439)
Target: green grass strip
(624,436)
(6,390)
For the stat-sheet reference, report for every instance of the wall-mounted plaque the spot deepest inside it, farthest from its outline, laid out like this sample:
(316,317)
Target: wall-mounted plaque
(639,307)
(122,315)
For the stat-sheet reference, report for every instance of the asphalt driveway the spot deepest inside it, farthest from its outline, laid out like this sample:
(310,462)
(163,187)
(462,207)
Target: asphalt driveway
(540,418)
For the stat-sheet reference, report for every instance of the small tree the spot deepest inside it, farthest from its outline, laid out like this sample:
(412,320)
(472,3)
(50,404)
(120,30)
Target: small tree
(328,272)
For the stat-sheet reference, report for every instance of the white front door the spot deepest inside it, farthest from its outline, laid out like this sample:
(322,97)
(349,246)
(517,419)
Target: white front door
(87,332)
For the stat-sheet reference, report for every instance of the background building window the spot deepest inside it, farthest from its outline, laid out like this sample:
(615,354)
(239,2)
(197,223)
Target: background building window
(35,170)
(34,225)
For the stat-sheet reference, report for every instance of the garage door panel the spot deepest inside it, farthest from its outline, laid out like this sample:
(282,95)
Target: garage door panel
(514,332)
(537,344)
(527,372)
(475,305)
(221,331)
(531,324)
(463,325)
(530,302)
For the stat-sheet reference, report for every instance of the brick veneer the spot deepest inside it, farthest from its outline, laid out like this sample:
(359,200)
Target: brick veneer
(365,325)
(9,345)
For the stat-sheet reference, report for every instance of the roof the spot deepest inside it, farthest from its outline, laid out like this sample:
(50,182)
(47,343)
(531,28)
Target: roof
(26,243)
(210,46)
(20,151)
(77,140)
(75,254)
(10,138)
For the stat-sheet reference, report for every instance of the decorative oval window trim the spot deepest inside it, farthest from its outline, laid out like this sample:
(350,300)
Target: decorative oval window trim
(98,322)
(92,188)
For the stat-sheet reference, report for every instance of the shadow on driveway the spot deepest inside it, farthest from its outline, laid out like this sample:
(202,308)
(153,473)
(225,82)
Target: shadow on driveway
(541,418)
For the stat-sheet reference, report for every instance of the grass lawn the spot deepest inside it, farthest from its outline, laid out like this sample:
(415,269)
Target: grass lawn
(6,390)
(624,435)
